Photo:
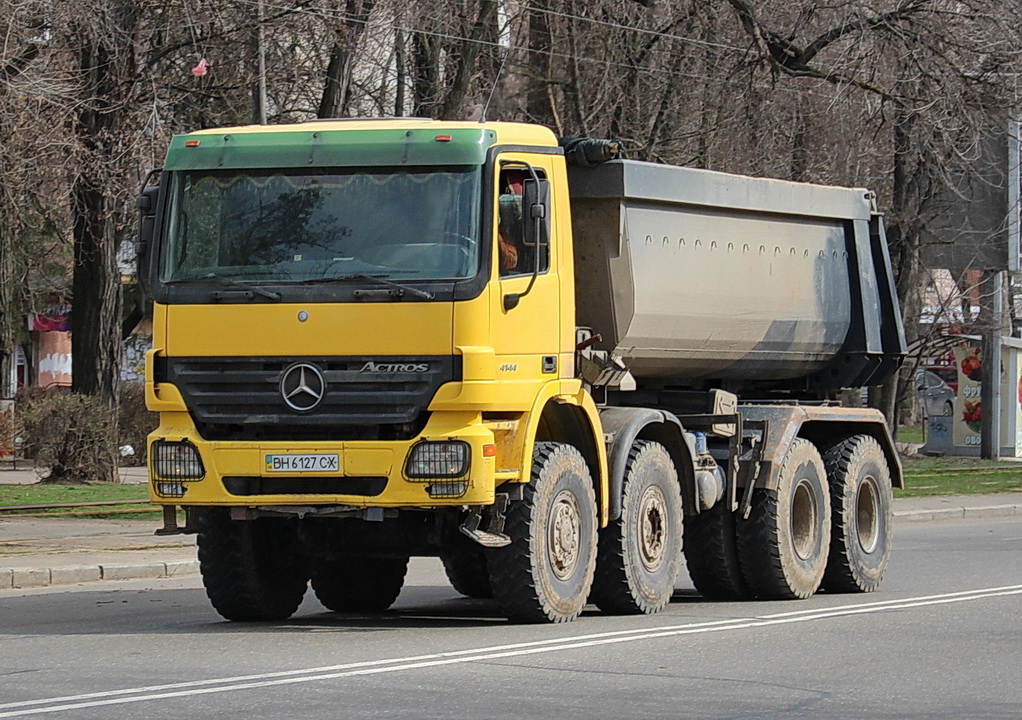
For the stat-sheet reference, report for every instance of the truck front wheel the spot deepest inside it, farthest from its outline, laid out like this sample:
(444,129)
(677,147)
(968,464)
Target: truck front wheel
(359,584)
(252,569)
(545,574)
(639,555)
(862,500)
(784,544)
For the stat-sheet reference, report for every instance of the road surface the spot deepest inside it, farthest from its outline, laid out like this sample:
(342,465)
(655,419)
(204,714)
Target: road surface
(941,639)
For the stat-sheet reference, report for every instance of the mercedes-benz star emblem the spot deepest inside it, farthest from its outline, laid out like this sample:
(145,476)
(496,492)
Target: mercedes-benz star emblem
(302,387)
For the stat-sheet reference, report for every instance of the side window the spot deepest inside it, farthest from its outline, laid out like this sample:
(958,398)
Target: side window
(514,256)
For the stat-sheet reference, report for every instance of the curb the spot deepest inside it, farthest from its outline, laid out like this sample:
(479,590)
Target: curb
(18,578)
(959,513)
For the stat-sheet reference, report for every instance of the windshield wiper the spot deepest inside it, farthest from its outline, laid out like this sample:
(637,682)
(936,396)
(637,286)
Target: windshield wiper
(376,279)
(269,294)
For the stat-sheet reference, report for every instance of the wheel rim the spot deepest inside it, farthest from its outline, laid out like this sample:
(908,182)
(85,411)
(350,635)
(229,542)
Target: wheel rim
(804,513)
(564,534)
(867,514)
(652,528)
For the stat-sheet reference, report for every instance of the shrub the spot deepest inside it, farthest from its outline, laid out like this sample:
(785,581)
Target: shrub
(7,433)
(69,433)
(134,422)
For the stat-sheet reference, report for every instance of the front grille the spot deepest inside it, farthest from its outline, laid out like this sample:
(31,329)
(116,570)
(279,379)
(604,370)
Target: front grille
(248,486)
(363,398)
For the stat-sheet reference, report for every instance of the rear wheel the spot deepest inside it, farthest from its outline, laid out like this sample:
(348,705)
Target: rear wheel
(252,569)
(546,572)
(862,500)
(639,554)
(359,584)
(711,554)
(784,544)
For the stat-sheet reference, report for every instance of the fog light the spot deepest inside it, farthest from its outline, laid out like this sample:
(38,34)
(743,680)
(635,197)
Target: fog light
(177,461)
(447,489)
(169,489)
(432,460)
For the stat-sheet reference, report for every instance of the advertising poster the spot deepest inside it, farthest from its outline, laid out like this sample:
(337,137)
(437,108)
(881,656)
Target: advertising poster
(1011,400)
(968,417)
(1014,403)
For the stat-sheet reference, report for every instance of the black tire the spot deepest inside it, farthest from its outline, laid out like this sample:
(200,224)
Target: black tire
(784,544)
(711,554)
(546,572)
(639,555)
(465,564)
(949,409)
(252,569)
(862,520)
(359,584)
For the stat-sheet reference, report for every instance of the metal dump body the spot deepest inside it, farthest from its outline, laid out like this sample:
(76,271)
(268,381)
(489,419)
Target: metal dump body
(695,276)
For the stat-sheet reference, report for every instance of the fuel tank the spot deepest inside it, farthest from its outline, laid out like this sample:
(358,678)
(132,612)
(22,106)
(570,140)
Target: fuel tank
(695,277)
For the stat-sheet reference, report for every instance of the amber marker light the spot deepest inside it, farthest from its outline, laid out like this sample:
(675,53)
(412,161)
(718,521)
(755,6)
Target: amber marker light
(443,138)
(191,143)
(489,451)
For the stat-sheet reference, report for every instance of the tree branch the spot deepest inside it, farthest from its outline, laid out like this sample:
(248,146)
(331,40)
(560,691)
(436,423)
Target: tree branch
(785,56)
(18,64)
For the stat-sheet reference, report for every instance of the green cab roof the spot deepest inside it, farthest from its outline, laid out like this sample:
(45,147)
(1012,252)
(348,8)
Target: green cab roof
(359,143)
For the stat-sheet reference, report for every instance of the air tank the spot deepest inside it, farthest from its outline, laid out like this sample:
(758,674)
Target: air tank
(695,277)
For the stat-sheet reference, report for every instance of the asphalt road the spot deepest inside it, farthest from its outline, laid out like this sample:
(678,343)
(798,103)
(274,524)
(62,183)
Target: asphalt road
(941,639)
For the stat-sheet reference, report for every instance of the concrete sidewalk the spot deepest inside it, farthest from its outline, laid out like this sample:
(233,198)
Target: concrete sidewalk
(25,475)
(39,552)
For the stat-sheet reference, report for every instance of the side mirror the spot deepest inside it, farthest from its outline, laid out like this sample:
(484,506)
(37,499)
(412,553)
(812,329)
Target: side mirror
(536,204)
(146,203)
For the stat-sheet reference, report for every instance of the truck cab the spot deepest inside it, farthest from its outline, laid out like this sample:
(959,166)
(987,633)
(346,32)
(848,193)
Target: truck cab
(331,313)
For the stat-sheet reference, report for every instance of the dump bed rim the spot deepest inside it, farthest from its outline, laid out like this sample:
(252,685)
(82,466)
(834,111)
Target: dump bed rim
(634,180)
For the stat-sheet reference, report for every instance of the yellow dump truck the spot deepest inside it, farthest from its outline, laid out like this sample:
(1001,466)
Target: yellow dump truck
(378,339)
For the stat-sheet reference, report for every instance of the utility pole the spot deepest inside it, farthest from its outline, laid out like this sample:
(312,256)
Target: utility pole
(990,394)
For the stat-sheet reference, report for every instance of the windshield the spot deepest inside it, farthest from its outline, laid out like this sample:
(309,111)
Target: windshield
(291,227)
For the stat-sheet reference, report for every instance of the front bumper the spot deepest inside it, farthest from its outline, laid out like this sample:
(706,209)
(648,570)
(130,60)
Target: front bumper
(367,474)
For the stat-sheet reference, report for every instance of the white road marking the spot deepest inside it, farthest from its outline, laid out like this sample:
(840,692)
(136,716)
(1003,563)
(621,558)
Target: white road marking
(416,662)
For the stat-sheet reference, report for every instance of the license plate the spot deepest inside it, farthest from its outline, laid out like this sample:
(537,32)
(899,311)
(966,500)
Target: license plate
(303,462)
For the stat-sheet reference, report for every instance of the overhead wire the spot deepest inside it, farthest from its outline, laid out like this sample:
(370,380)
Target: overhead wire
(761,85)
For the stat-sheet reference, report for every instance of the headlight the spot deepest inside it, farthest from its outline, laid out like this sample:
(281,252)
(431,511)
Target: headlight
(432,460)
(176,461)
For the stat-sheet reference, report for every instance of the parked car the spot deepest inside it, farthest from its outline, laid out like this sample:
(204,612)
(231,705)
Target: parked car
(947,373)
(936,395)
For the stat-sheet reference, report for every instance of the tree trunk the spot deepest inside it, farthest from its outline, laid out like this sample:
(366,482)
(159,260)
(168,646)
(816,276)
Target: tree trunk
(799,149)
(399,64)
(96,319)
(338,80)
(903,238)
(538,98)
(96,314)
(426,74)
(337,89)
(454,106)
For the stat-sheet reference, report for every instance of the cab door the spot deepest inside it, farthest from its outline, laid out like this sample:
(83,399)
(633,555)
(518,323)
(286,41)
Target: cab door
(526,309)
